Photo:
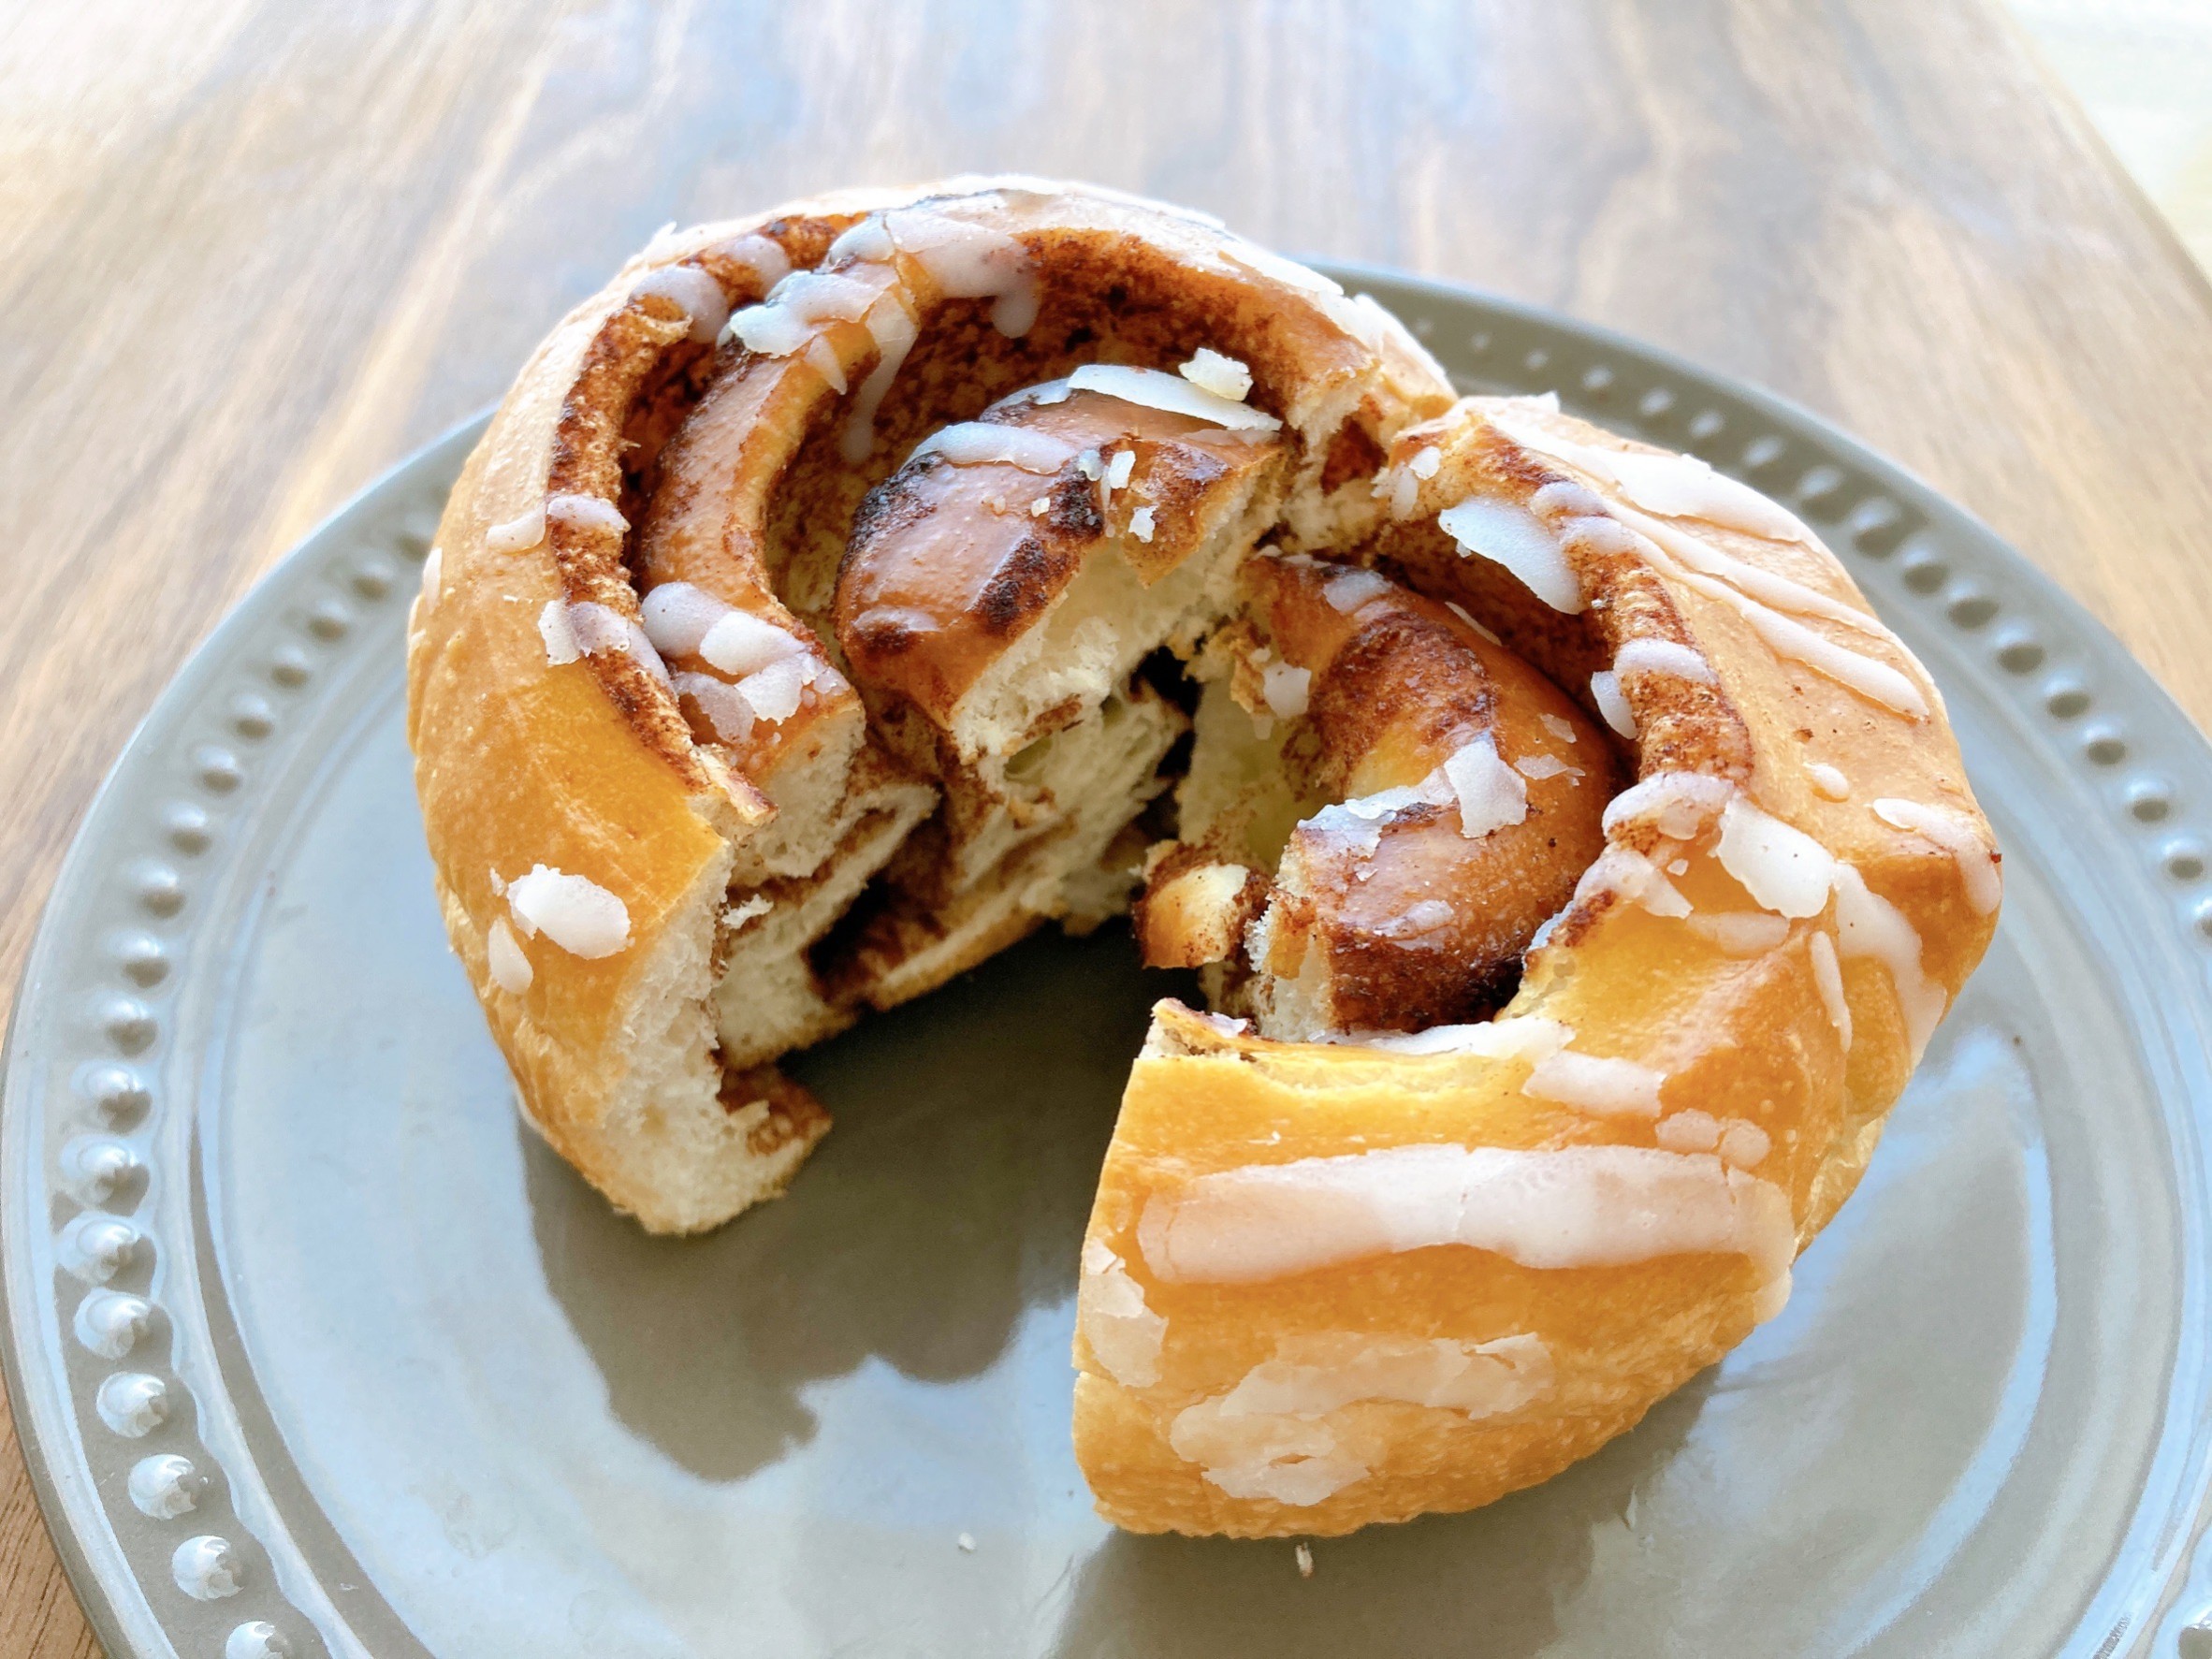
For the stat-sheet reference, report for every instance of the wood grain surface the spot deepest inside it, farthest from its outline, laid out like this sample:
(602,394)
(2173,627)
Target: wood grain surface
(253,251)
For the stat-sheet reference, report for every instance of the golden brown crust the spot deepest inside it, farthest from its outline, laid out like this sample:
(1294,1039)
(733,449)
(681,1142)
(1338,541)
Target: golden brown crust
(1742,1076)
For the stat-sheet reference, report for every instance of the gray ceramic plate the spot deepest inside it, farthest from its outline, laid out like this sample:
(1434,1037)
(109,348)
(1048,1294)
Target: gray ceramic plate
(277,1248)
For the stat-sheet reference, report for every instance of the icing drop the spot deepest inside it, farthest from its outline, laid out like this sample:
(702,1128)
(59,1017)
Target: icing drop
(1516,538)
(1125,1335)
(1591,1083)
(1150,388)
(1784,869)
(1605,691)
(573,911)
(692,291)
(978,442)
(1489,793)
(1956,834)
(1828,974)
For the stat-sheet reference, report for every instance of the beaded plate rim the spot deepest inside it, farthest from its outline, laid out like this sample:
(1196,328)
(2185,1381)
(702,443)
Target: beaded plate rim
(79,1275)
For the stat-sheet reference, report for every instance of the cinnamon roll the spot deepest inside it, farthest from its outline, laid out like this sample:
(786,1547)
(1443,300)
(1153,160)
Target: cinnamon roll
(1576,867)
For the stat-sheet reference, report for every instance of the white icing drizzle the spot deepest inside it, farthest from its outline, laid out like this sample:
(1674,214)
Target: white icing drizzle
(979,443)
(573,911)
(1784,869)
(1740,1143)
(1663,656)
(1769,588)
(1868,924)
(1829,780)
(893,327)
(1605,691)
(1875,681)
(502,952)
(790,319)
(773,692)
(1425,916)
(1571,1206)
(762,255)
(743,644)
(600,630)
(956,257)
(1263,1437)
(1537,767)
(1285,1459)
(963,260)
(1679,803)
(1688,1131)
(684,620)
(1350,590)
(1561,729)
(1288,272)
(1564,498)
(722,703)
(1954,832)
(1150,388)
(1595,1083)
(584,511)
(1140,524)
(1324,1372)
(822,356)
(1634,878)
(1595,537)
(1827,975)
(561,639)
(1742,933)
(518,535)
(1511,535)
(1223,376)
(1358,821)
(1125,1335)
(1490,794)
(1527,1039)
(1745,1144)
(1382,330)
(1665,484)
(1678,486)
(676,616)
(1359,318)
(1286,689)
(692,291)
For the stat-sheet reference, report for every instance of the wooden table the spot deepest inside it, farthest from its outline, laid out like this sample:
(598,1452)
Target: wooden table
(252,253)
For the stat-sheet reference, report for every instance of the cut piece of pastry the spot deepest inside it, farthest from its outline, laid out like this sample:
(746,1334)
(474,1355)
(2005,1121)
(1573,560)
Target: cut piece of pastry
(1328,1284)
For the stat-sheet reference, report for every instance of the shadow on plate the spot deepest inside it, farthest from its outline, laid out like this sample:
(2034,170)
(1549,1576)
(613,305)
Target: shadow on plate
(950,1195)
